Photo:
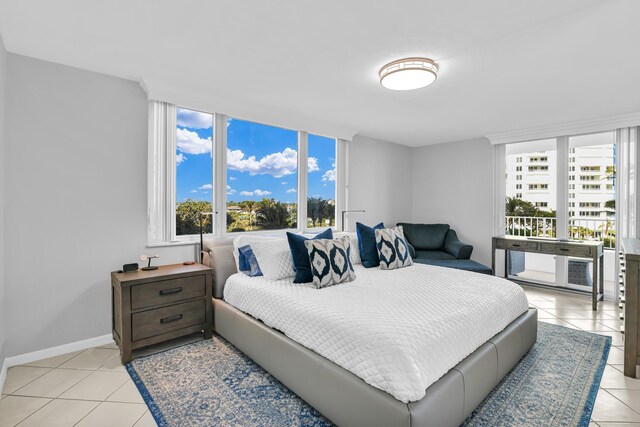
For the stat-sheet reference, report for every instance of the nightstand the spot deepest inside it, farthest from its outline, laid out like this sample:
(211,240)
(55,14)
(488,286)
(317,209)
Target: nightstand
(149,307)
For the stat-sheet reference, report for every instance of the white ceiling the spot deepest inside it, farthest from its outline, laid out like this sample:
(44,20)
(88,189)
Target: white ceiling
(504,64)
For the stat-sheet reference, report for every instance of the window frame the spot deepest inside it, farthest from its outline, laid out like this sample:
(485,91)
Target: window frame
(219,183)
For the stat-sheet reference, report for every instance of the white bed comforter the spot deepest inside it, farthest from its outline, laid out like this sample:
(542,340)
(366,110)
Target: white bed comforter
(398,330)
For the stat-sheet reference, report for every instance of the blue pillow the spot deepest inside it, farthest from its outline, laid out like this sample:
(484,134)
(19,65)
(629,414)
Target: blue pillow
(301,263)
(367,244)
(248,262)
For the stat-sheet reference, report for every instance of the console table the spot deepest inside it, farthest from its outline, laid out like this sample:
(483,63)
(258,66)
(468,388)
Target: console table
(579,249)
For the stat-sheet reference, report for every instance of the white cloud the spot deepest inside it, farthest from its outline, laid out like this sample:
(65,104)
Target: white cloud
(230,190)
(291,190)
(205,187)
(189,142)
(194,119)
(284,183)
(180,158)
(194,191)
(232,178)
(312,164)
(329,175)
(257,192)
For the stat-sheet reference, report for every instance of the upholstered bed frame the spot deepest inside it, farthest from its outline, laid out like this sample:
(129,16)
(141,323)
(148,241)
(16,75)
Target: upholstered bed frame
(345,398)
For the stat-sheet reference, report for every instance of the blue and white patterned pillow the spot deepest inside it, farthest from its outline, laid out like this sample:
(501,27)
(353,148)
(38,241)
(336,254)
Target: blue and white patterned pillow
(393,249)
(330,261)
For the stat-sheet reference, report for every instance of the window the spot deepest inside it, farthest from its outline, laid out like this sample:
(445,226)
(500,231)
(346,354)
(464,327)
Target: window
(589,204)
(538,168)
(518,159)
(541,204)
(518,177)
(262,176)
(538,186)
(518,186)
(244,176)
(321,182)
(591,187)
(519,168)
(194,171)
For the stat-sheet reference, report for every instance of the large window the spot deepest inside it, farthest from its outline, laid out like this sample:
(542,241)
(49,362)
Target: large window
(262,177)
(194,171)
(592,163)
(530,209)
(321,181)
(224,175)
(572,198)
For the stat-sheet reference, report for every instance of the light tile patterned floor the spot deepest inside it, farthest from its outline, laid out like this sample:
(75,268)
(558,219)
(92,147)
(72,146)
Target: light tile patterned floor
(91,388)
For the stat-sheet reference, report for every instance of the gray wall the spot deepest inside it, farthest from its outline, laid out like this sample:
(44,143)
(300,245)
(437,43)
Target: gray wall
(453,184)
(3,310)
(77,144)
(76,200)
(379,182)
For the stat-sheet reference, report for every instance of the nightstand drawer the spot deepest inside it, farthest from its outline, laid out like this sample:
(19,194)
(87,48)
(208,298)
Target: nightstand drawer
(167,291)
(162,320)
(516,245)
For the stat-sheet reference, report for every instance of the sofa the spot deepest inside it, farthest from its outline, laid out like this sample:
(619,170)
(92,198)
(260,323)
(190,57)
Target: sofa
(439,245)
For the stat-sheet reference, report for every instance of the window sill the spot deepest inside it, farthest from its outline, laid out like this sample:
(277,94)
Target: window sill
(171,244)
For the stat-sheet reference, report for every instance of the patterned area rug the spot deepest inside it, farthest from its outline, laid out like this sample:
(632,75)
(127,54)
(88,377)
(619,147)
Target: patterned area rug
(211,383)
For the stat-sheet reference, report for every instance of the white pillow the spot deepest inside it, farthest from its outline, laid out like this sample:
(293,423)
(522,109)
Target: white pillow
(274,258)
(353,239)
(243,240)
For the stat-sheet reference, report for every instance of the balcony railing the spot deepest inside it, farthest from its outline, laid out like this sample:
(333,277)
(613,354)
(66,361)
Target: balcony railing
(598,229)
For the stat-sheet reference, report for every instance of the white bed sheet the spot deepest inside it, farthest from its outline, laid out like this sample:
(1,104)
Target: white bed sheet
(398,330)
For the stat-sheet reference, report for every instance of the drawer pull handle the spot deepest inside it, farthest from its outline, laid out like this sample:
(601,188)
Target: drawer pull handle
(171,318)
(515,245)
(564,249)
(170,291)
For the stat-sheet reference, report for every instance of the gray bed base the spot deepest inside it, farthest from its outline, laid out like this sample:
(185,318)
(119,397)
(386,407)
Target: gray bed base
(345,398)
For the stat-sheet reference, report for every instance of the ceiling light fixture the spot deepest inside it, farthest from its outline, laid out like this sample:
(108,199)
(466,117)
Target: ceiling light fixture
(408,74)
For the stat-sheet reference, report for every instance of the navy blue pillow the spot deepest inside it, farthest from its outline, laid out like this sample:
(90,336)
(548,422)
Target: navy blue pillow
(301,263)
(248,262)
(367,244)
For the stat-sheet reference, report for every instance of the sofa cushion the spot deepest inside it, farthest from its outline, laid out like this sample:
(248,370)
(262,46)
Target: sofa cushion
(458,264)
(433,255)
(425,237)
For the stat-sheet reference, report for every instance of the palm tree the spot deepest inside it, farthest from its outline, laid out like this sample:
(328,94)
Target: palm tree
(272,215)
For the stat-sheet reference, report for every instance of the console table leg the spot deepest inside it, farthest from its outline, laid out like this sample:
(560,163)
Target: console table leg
(506,264)
(602,276)
(595,285)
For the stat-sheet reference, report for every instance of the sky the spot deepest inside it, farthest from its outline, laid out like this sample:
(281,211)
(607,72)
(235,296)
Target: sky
(261,160)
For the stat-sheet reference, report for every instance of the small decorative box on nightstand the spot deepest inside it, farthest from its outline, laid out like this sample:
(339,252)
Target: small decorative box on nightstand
(149,307)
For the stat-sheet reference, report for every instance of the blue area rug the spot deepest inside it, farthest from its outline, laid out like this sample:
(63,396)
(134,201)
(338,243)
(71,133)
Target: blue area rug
(211,383)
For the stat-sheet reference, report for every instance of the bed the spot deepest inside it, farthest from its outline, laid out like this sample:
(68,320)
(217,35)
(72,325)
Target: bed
(352,390)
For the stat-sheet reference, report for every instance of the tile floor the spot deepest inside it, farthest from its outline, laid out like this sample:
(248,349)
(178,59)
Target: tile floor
(91,388)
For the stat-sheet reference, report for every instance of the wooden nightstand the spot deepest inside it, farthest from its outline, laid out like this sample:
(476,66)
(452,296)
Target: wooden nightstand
(149,307)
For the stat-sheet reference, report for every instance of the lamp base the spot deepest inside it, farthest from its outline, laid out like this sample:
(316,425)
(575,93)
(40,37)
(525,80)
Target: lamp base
(153,267)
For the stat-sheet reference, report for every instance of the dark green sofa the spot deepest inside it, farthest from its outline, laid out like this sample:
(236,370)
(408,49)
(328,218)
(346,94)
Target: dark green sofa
(438,244)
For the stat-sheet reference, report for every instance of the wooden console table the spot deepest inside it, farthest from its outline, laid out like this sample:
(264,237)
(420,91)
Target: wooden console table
(585,249)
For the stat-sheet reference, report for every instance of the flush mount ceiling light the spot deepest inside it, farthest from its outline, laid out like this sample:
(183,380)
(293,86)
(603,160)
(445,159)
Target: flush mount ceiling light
(408,74)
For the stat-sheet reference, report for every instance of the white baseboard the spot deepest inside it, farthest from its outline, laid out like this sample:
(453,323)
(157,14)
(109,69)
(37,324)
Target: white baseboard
(21,359)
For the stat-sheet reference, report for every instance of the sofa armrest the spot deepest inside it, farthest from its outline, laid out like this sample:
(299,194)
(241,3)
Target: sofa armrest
(412,250)
(455,247)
